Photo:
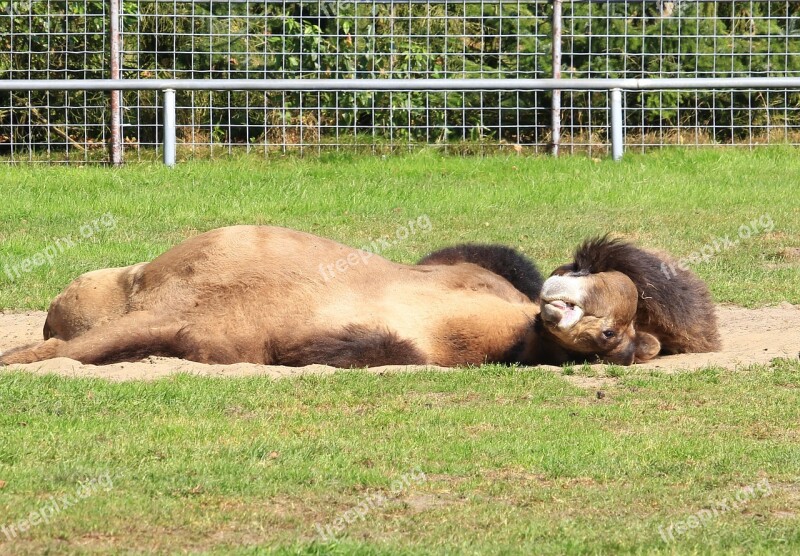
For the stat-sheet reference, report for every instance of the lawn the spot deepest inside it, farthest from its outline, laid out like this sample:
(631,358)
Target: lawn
(681,202)
(490,460)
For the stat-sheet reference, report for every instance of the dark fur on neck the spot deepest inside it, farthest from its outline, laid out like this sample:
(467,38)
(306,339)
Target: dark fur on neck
(673,304)
(504,261)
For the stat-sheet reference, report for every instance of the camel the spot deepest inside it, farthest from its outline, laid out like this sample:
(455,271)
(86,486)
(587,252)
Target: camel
(674,311)
(503,261)
(270,295)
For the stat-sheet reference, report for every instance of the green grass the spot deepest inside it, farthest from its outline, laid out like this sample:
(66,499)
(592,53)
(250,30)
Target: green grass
(515,461)
(673,200)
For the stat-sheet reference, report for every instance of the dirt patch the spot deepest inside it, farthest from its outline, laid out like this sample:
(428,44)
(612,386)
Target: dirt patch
(791,254)
(749,336)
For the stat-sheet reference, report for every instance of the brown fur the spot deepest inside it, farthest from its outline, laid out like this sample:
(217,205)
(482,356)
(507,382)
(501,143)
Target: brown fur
(275,296)
(503,261)
(262,295)
(675,308)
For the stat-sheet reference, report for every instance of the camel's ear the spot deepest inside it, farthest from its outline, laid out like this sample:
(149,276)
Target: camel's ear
(647,347)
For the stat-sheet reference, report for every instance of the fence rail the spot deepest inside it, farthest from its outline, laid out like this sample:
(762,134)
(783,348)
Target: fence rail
(383,75)
(613,87)
(408,85)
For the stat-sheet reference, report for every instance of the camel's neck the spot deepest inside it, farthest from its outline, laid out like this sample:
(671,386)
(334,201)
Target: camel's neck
(540,347)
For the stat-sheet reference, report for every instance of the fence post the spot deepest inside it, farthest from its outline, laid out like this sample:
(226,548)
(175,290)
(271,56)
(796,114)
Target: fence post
(169,127)
(555,111)
(617,141)
(115,143)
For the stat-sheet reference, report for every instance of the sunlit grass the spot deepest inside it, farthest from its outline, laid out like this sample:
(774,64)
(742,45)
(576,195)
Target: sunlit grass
(679,201)
(504,460)
(497,460)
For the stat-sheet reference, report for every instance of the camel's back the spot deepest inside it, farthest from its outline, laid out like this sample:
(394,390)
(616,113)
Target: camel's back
(224,254)
(255,256)
(224,261)
(254,284)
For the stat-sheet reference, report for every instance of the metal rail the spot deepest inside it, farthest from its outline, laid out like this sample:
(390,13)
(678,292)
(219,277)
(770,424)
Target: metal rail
(294,85)
(614,88)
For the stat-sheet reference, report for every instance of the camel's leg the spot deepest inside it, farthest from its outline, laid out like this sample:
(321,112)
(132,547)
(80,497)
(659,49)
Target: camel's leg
(131,337)
(31,353)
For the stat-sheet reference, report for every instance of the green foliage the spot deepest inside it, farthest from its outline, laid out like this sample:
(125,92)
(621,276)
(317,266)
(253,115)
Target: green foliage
(47,39)
(360,41)
(51,40)
(722,39)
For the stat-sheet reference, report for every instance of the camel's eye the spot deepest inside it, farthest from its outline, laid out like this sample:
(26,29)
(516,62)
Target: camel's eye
(607,334)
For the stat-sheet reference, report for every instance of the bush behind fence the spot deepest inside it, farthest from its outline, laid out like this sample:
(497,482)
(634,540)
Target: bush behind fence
(51,39)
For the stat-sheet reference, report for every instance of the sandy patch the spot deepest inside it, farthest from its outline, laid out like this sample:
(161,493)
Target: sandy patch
(749,336)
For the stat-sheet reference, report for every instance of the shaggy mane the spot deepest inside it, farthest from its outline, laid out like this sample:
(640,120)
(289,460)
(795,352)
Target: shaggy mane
(674,304)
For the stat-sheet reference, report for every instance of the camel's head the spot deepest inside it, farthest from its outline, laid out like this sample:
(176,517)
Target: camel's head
(590,310)
(592,315)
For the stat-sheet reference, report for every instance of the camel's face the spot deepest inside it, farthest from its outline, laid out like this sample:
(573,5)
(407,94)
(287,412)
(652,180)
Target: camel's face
(593,314)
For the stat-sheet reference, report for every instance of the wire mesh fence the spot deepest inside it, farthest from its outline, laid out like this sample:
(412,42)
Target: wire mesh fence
(391,39)
(339,40)
(53,40)
(683,38)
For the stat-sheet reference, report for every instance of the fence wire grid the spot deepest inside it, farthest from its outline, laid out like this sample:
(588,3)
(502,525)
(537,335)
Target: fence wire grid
(354,39)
